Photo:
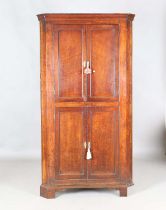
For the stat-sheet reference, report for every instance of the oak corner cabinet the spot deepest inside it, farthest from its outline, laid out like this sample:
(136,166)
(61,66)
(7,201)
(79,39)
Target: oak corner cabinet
(86,101)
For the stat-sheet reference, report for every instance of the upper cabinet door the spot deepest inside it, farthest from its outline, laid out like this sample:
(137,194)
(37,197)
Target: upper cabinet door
(103,55)
(69,53)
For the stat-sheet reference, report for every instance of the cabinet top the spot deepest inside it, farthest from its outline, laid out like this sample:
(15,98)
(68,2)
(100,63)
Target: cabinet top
(83,16)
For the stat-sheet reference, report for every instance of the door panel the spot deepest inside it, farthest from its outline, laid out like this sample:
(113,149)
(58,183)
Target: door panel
(103,134)
(69,51)
(103,55)
(70,137)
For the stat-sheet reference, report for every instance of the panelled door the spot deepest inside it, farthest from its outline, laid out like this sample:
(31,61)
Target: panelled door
(103,86)
(102,53)
(69,50)
(86,70)
(103,138)
(70,136)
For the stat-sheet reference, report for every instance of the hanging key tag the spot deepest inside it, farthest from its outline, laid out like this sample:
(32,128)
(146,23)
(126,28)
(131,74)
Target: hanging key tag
(88,154)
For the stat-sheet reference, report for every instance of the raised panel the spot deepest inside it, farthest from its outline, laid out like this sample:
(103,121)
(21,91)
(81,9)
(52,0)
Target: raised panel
(70,137)
(70,63)
(104,58)
(68,54)
(103,134)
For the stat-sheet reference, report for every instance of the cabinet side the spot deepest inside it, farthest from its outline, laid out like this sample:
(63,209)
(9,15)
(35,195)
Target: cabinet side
(125,123)
(129,98)
(43,100)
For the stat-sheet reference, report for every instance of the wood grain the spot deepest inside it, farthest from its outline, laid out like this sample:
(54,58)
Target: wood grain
(103,130)
(70,144)
(103,41)
(68,51)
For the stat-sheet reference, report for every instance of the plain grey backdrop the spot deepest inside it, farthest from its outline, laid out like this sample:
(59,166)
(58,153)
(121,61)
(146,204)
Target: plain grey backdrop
(20,71)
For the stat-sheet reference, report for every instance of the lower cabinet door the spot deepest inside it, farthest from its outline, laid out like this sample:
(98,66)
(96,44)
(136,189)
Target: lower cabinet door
(87,142)
(70,136)
(103,138)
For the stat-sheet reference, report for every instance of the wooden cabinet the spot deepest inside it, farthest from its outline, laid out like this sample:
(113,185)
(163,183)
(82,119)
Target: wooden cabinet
(86,101)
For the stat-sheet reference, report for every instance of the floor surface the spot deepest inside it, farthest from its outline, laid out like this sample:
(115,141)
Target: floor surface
(20,181)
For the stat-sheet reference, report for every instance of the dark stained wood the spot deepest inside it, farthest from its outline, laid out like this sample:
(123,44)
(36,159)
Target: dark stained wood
(123,192)
(85,18)
(79,108)
(47,191)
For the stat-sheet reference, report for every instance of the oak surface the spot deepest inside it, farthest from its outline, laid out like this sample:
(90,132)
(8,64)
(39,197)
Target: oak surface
(86,118)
